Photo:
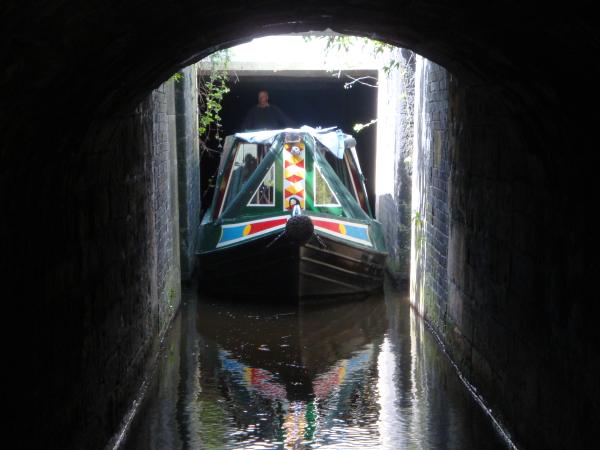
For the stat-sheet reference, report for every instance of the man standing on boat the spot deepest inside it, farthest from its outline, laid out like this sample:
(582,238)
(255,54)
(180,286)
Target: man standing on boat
(265,116)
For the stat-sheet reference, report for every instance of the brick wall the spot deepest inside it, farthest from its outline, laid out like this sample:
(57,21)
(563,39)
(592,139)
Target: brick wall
(430,191)
(498,264)
(106,284)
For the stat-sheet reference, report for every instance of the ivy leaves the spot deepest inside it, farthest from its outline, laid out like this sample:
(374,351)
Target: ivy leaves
(213,92)
(212,88)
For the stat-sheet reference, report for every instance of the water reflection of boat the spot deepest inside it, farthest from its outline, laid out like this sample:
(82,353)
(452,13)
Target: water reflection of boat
(290,218)
(219,385)
(296,353)
(298,369)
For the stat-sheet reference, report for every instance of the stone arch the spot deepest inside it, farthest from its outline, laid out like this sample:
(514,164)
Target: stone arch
(116,53)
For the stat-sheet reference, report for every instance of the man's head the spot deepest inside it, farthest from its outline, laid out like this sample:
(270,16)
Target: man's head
(250,160)
(263,98)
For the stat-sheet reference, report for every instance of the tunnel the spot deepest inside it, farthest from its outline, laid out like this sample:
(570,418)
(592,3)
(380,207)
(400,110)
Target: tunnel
(505,138)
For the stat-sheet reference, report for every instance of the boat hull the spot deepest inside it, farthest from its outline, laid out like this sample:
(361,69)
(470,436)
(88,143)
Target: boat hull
(285,272)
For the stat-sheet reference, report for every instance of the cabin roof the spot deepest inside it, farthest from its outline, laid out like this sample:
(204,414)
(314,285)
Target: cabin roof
(332,138)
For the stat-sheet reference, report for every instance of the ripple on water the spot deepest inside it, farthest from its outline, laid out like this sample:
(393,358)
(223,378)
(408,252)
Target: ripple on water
(349,375)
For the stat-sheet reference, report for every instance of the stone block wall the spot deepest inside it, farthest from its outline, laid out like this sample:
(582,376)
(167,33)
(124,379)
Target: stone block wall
(395,135)
(188,161)
(165,199)
(106,284)
(498,264)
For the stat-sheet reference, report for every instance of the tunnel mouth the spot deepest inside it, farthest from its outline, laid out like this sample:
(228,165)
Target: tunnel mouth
(316,83)
(316,100)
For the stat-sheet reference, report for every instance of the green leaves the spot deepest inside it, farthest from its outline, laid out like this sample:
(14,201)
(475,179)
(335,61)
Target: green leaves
(212,89)
(177,77)
(418,220)
(344,43)
(391,65)
(360,126)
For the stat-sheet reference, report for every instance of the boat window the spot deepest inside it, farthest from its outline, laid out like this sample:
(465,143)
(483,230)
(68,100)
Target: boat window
(324,196)
(355,179)
(265,193)
(222,191)
(348,171)
(340,168)
(246,159)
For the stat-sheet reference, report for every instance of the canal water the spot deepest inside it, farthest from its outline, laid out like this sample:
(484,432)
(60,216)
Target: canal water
(354,375)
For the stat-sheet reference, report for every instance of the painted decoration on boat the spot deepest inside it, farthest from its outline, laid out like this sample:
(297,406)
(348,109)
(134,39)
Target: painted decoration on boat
(294,175)
(237,232)
(354,232)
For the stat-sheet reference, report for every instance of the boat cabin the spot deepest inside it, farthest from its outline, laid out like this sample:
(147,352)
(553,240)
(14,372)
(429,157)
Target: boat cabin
(315,180)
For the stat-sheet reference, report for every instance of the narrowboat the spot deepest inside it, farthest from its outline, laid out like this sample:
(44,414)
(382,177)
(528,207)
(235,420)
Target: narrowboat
(290,219)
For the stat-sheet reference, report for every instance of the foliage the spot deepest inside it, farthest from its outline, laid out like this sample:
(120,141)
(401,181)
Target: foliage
(359,126)
(343,43)
(212,88)
(378,49)
(419,222)
(177,77)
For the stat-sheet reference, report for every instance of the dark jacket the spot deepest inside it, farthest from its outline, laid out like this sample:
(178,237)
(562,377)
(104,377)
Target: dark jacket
(267,118)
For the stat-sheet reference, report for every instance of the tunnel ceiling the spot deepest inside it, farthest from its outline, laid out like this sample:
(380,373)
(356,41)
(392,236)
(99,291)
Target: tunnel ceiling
(103,55)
